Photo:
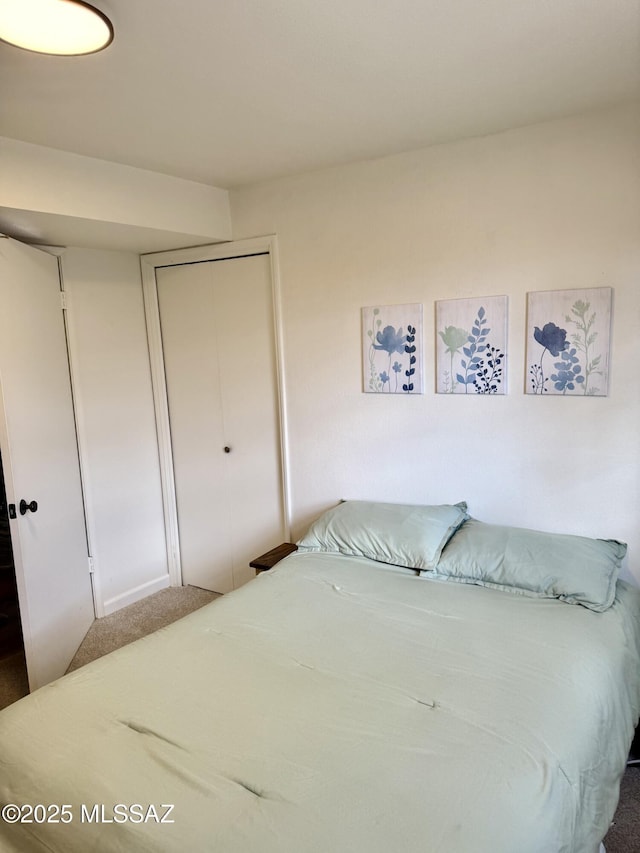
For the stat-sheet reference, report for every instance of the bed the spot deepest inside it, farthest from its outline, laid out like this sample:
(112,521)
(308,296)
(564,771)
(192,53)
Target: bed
(343,702)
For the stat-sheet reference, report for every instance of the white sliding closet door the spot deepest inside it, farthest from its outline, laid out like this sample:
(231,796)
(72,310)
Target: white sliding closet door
(216,319)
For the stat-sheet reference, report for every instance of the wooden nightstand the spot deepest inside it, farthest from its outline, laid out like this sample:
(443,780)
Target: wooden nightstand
(267,561)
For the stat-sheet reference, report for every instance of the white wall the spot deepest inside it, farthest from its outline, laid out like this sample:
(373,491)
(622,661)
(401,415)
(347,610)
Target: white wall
(551,206)
(117,423)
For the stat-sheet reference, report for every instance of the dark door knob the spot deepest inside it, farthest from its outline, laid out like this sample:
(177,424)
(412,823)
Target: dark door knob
(25,507)
(227,449)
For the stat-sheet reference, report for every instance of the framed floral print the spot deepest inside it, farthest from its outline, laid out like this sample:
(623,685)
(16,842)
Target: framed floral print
(392,349)
(471,345)
(568,341)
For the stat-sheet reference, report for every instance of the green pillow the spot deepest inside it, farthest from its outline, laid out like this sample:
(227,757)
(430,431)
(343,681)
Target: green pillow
(575,569)
(400,534)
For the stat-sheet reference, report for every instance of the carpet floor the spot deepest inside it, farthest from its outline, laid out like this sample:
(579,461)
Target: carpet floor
(166,606)
(13,679)
(624,835)
(139,619)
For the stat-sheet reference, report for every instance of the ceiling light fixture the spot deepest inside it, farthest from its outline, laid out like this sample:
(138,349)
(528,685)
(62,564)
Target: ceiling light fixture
(57,27)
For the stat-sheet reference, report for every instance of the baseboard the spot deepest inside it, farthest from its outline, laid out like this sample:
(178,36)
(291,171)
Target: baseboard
(136,594)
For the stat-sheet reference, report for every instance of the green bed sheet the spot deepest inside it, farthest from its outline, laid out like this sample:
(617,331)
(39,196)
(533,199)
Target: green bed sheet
(336,705)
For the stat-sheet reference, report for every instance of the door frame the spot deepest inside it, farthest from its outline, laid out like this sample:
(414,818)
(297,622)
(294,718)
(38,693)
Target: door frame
(199,254)
(79,420)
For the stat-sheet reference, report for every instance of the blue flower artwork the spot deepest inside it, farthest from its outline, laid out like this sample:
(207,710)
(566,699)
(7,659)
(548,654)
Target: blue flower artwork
(390,340)
(551,337)
(568,339)
(392,349)
(471,345)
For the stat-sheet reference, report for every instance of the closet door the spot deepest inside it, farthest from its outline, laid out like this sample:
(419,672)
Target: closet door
(216,319)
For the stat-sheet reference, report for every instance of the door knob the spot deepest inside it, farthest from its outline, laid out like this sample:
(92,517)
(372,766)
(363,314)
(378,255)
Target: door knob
(227,449)
(25,507)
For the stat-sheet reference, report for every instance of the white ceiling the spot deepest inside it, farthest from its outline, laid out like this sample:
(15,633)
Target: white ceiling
(229,93)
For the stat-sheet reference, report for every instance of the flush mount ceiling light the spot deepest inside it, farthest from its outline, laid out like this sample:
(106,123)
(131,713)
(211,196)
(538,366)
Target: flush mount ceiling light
(58,27)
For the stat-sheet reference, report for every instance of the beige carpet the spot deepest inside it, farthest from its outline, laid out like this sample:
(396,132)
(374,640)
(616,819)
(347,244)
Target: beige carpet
(13,679)
(138,620)
(166,606)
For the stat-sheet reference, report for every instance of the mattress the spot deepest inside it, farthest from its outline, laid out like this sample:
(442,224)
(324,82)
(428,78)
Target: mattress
(335,704)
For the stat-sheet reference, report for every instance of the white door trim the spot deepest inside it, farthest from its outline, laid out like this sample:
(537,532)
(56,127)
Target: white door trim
(149,264)
(80,421)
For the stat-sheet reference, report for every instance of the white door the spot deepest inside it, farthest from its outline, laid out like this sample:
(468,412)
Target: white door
(40,461)
(217,328)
